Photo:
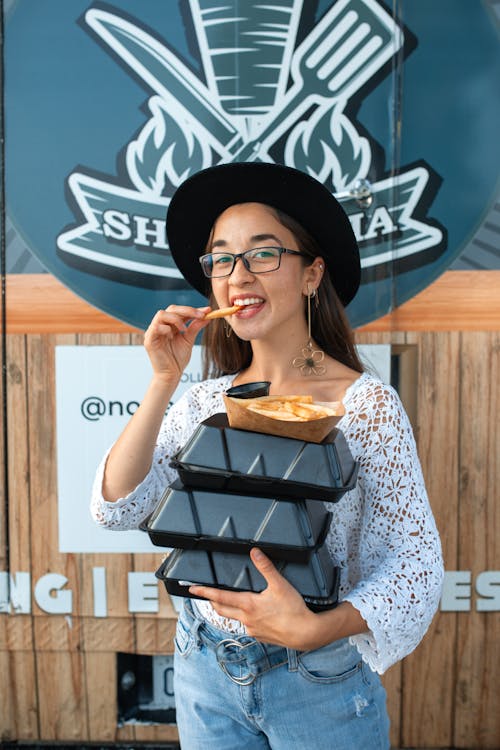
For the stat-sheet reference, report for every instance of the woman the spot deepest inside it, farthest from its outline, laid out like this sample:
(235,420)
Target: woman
(276,242)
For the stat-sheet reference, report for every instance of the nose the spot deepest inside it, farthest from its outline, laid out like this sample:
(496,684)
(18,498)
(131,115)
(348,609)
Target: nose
(240,272)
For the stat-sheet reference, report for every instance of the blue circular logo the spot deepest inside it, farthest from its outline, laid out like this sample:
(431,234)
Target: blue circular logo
(110,107)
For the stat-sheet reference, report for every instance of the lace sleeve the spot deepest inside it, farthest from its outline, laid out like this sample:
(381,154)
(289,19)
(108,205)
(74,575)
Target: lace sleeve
(400,563)
(182,418)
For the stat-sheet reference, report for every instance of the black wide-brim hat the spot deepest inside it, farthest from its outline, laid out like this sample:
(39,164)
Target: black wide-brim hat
(199,200)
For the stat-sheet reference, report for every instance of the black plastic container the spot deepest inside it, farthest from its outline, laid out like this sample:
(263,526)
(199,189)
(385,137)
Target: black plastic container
(218,457)
(317,581)
(191,518)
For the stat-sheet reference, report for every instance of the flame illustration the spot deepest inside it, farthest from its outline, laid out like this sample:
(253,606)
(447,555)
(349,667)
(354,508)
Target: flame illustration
(165,153)
(328,145)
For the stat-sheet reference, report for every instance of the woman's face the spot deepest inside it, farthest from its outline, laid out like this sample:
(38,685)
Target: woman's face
(274,299)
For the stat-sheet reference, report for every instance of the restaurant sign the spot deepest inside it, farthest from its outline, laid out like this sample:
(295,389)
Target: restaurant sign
(320,87)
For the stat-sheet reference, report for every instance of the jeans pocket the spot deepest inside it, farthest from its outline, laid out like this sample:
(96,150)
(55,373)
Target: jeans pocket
(332,663)
(184,639)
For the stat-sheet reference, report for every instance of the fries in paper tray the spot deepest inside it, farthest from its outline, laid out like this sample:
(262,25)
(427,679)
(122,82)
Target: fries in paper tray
(287,416)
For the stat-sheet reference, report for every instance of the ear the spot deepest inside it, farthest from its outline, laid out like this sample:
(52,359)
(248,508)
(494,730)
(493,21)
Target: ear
(313,275)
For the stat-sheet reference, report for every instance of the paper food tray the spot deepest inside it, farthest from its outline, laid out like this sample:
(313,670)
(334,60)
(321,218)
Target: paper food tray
(242,418)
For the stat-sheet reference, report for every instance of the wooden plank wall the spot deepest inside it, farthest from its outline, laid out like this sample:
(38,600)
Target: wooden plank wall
(58,671)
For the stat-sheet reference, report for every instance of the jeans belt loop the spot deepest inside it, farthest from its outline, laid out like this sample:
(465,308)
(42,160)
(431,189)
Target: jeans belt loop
(293,662)
(196,623)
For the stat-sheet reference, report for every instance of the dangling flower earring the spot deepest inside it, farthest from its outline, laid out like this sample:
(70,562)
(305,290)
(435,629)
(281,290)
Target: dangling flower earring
(310,361)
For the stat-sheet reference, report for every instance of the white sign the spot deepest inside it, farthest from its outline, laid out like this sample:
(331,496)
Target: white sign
(376,358)
(98,388)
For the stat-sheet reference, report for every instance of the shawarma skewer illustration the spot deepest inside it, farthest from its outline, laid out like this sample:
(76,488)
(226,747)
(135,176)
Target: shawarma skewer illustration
(352,41)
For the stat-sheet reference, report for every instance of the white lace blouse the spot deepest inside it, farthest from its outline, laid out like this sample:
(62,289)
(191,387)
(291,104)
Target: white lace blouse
(383,535)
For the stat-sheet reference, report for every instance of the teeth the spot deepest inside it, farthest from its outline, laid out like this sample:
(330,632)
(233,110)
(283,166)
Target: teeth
(248,301)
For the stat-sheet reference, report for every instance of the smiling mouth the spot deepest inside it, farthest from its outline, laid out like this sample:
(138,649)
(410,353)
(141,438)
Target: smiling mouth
(247,301)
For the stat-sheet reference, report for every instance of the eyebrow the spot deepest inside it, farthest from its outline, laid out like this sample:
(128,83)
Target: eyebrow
(253,239)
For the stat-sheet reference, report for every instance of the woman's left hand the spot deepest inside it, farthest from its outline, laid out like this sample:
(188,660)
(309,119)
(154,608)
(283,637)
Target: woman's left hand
(278,614)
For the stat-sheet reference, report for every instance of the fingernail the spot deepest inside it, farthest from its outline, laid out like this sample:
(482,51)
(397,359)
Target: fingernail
(257,554)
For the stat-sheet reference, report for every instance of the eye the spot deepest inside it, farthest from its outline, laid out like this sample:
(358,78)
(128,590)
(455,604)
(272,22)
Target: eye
(220,259)
(264,253)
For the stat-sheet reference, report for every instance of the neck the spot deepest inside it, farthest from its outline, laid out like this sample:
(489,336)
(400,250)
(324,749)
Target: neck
(272,358)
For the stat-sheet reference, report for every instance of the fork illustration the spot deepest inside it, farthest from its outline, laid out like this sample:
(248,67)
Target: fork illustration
(350,43)
(353,40)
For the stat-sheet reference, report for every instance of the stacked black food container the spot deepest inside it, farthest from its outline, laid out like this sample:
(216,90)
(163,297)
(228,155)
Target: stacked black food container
(239,489)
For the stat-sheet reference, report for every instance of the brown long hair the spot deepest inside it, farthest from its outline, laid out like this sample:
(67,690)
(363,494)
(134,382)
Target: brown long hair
(330,328)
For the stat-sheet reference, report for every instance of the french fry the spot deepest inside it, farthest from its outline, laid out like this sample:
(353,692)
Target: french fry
(281,399)
(273,413)
(222,312)
(275,402)
(310,411)
(290,408)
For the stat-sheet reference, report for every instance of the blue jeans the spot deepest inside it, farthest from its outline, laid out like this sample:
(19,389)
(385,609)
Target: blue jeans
(234,693)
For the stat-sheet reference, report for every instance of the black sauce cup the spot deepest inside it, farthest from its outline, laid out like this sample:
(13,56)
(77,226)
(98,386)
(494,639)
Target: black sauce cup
(250,390)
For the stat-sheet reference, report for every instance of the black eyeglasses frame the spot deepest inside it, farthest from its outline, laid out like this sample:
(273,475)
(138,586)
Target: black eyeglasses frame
(244,260)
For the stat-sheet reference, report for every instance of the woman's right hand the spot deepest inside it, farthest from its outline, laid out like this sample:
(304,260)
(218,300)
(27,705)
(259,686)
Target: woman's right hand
(169,339)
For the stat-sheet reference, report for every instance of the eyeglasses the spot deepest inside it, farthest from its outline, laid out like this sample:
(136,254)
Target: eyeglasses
(255,260)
